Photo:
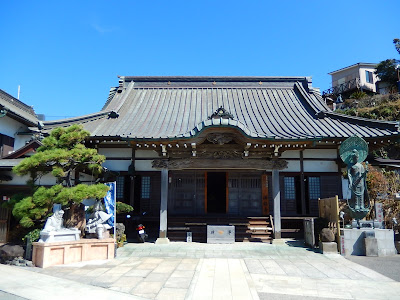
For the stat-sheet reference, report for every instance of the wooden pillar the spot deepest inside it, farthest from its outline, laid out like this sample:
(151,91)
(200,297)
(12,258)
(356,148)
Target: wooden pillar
(302,186)
(276,195)
(264,195)
(131,171)
(162,239)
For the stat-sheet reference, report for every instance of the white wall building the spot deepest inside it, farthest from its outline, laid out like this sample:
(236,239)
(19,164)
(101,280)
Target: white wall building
(360,76)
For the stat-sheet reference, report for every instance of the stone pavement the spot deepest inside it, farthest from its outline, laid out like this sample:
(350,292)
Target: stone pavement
(386,265)
(226,271)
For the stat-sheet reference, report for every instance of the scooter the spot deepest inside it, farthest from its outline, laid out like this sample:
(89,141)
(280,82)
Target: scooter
(142,236)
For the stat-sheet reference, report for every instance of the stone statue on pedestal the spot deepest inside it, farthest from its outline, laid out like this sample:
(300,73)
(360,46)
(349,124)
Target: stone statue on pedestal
(353,152)
(55,222)
(357,182)
(54,230)
(97,221)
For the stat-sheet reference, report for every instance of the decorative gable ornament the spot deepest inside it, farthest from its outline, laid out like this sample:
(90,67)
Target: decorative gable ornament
(3,112)
(219,138)
(221,113)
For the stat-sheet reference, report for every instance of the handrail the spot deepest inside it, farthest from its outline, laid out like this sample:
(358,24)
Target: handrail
(341,88)
(271,218)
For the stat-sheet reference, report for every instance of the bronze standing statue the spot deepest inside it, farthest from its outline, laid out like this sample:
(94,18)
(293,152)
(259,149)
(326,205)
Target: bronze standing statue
(353,152)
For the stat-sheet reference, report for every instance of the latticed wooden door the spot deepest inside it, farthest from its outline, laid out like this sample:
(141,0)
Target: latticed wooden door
(245,193)
(186,193)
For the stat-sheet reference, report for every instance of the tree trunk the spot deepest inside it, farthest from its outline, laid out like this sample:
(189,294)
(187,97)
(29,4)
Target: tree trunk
(75,217)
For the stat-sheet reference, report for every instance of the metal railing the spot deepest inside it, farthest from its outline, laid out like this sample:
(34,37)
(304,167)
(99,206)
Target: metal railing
(344,87)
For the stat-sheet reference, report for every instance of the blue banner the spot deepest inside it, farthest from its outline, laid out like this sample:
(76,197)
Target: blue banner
(110,201)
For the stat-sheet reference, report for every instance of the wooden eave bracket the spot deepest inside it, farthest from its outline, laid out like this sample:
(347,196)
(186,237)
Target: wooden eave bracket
(246,149)
(194,151)
(163,149)
(276,150)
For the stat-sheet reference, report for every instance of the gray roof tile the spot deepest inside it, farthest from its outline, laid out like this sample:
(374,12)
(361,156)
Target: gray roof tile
(177,107)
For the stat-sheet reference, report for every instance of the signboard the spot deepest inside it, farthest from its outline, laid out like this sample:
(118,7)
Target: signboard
(217,234)
(379,211)
(309,236)
(342,248)
(264,191)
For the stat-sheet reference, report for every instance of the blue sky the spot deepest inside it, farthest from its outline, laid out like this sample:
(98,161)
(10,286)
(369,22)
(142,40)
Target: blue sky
(66,55)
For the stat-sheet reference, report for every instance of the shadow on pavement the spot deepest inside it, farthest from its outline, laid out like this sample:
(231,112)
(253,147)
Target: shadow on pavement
(301,244)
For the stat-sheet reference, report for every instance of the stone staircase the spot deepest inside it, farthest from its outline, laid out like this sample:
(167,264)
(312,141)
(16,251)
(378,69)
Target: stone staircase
(292,227)
(247,229)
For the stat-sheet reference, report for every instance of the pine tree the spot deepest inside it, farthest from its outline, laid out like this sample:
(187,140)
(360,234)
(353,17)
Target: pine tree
(396,43)
(62,154)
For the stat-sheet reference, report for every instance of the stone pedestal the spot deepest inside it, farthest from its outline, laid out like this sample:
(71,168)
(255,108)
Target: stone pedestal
(371,246)
(61,235)
(328,247)
(59,253)
(161,241)
(354,243)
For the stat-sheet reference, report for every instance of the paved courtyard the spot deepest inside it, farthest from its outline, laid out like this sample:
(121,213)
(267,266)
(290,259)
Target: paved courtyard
(228,271)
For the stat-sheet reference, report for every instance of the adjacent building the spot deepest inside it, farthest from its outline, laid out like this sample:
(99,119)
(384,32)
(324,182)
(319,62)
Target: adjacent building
(360,76)
(19,136)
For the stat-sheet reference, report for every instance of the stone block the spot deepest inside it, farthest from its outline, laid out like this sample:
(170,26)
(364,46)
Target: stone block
(371,246)
(354,241)
(161,241)
(59,253)
(61,235)
(328,247)
(218,234)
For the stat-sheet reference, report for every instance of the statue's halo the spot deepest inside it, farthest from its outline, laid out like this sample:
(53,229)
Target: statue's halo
(350,144)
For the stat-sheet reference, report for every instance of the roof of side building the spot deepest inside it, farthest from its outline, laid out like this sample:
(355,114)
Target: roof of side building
(369,65)
(18,110)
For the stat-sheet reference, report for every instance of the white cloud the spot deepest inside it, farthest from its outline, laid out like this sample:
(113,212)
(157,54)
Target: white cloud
(102,29)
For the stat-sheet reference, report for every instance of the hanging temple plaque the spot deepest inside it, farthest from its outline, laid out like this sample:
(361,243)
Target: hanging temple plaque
(200,163)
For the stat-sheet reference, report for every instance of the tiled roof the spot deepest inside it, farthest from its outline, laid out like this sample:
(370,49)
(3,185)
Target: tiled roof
(283,108)
(21,152)
(9,163)
(17,109)
(88,121)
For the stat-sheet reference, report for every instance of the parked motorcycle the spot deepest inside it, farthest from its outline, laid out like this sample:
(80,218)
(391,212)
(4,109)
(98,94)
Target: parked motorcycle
(142,236)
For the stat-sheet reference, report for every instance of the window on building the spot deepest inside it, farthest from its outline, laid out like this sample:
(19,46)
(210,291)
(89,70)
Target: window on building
(341,81)
(368,77)
(120,187)
(6,145)
(145,187)
(314,187)
(290,189)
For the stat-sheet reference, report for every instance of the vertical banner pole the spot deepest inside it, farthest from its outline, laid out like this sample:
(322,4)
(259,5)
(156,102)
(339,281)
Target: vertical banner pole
(110,201)
(115,211)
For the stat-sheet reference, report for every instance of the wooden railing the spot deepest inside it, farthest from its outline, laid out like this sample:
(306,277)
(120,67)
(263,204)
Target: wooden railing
(271,220)
(329,209)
